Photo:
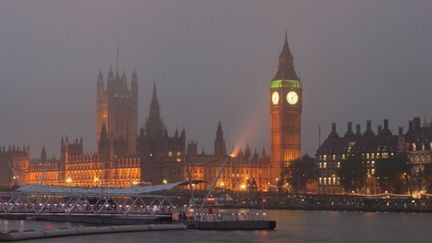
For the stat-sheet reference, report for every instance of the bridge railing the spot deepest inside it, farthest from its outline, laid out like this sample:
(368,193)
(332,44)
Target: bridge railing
(96,204)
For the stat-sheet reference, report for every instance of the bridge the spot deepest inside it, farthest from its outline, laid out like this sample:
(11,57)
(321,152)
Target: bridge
(33,203)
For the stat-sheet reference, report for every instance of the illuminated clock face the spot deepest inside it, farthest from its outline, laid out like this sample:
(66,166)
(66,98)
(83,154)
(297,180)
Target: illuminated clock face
(275,98)
(292,98)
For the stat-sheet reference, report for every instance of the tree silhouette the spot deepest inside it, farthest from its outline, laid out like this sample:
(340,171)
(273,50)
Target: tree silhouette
(394,173)
(301,172)
(352,173)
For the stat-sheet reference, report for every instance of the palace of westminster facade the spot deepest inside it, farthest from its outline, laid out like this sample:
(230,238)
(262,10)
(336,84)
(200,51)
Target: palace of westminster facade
(127,156)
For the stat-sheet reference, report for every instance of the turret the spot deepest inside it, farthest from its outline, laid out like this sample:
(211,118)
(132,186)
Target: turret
(104,147)
(154,126)
(183,136)
(100,84)
(43,155)
(263,156)
(255,156)
(219,142)
(123,80)
(110,74)
(192,148)
(134,82)
(247,154)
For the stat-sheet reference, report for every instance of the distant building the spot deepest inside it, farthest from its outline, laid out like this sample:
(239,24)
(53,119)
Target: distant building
(76,168)
(247,171)
(370,146)
(17,158)
(418,143)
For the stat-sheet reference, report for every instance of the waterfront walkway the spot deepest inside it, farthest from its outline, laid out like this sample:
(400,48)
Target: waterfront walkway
(381,203)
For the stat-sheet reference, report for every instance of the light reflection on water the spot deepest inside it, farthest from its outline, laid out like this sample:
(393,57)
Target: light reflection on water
(292,226)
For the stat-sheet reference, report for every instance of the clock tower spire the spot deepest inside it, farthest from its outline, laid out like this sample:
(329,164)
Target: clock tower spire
(285,113)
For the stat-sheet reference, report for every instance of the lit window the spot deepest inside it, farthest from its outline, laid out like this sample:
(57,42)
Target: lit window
(334,157)
(170,153)
(320,165)
(325,157)
(373,171)
(338,165)
(325,180)
(320,180)
(325,165)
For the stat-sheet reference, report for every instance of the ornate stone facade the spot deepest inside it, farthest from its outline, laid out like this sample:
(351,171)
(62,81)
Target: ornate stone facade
(247,171)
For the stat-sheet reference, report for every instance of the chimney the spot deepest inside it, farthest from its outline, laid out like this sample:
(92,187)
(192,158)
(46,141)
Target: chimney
(400,131)
(358,130)
(333,132)
(380,129)
(349,129)
(386,123)
(369,131)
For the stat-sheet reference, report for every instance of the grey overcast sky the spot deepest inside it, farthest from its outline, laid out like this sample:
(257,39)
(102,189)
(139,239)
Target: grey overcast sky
(212,61)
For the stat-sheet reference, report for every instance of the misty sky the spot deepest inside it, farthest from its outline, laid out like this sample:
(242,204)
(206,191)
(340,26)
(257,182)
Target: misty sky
(212,61)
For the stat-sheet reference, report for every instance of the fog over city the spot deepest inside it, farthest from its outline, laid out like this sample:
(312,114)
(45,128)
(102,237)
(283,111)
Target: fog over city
(212,61)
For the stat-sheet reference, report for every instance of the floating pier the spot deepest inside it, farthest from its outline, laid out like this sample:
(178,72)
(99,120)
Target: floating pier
(232,225)
(62,232)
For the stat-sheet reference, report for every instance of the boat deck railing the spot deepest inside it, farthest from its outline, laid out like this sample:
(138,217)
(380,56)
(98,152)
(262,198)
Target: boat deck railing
(220,216)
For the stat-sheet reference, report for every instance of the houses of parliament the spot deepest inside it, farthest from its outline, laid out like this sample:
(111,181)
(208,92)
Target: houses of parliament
(127,155)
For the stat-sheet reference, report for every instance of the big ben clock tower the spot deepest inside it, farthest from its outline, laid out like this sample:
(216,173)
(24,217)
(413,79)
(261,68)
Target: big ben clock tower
(285,113)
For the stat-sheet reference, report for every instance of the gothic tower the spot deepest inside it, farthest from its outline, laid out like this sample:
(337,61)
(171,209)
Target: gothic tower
(117,108)
(285,113)
(161,155)
(219,143)
(154,126)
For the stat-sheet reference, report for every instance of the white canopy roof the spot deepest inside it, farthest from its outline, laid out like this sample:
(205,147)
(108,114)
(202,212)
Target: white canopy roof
(136,190)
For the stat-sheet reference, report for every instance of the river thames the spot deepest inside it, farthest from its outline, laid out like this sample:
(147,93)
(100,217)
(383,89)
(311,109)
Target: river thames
(292,226)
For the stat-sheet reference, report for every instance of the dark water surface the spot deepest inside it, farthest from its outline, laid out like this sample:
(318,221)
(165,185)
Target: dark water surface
(292,226)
